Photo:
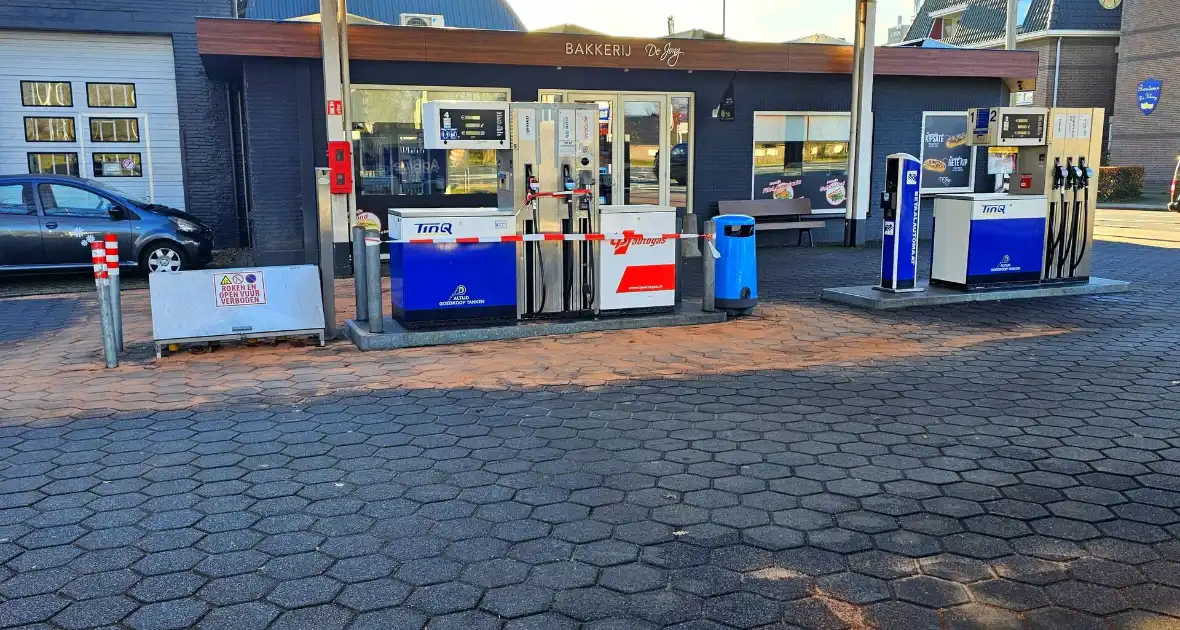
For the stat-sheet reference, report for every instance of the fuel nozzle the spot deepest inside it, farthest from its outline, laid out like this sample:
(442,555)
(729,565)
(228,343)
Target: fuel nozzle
(1071,175)
(1085,173)
(567,178)
(1059,174)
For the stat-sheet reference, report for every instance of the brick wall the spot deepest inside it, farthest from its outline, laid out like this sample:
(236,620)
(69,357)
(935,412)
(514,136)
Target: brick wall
(202,103)
(1087,78)
(1150,48)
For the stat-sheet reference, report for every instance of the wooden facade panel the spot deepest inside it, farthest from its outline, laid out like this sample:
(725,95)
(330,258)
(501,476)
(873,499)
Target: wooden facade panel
(258,38)
(823,58)
(376,43)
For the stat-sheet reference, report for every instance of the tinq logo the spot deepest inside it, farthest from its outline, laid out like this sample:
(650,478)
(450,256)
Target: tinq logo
(434,228)
(630,238)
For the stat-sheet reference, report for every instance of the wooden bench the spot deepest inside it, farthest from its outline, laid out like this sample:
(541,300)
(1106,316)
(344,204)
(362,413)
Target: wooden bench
(778,214)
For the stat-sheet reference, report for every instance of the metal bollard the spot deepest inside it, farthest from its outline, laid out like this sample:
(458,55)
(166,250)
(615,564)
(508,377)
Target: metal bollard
(709,268)
(112,245)
(373,279)
(691,248)
(359,276)
(98,256)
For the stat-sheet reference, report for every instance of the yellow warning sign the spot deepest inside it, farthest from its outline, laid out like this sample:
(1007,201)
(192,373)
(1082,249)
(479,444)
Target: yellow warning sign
(242,288)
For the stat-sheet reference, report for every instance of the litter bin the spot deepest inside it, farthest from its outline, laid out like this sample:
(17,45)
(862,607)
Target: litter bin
(737,269)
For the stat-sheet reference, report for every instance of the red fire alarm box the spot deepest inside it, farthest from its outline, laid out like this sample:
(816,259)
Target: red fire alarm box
(340,163)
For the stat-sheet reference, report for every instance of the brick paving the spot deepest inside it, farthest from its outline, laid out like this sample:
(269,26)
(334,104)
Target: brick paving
(984,466)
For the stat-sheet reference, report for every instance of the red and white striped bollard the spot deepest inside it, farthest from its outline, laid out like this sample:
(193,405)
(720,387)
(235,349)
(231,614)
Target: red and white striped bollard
(112,246)
(98,256)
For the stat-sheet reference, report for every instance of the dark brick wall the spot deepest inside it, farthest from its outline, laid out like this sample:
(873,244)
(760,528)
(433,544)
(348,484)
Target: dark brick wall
(1150,48)
(203,111)
(724,151)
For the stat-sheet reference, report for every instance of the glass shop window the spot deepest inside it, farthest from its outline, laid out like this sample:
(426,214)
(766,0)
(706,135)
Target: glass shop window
(802,155)
(387,136)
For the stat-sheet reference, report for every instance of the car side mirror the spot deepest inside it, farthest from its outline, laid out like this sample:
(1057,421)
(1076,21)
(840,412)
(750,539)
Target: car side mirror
(118,213)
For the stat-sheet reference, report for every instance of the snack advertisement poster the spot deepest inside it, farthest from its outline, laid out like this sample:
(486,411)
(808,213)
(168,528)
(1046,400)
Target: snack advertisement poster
(827,189)
(948,164)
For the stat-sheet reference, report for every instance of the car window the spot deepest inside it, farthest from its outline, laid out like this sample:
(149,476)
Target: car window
(16,199)
(61,200)
(679,150)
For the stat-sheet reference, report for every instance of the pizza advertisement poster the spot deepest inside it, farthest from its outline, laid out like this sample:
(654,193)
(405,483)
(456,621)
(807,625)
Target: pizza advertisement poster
(948,164)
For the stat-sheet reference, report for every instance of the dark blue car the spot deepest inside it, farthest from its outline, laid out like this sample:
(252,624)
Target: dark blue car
(48,221)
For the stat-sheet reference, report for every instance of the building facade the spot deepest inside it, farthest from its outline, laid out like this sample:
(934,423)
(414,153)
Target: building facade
(662,140)
(1077,40)
(1150,49)
(177,106)
(89,88)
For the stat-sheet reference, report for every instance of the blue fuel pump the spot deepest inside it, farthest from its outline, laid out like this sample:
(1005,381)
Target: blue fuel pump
(899,230)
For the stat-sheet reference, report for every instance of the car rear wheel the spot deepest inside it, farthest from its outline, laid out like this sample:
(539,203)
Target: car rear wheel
(163,258)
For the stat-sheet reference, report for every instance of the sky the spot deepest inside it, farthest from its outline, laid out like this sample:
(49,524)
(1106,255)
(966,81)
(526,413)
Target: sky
(752,20)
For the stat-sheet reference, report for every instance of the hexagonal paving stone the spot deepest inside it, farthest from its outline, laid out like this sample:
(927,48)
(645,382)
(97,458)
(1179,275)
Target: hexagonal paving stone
(930,591)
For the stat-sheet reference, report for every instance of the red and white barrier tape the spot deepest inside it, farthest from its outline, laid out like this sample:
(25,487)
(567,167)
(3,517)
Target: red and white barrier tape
(98,256)
(528,238)
(112,257)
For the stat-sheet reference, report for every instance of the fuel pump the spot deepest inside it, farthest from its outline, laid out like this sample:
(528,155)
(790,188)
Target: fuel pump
(1039,231)
(548,177)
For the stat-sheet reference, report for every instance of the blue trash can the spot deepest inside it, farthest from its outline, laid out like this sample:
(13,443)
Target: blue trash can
(737,269)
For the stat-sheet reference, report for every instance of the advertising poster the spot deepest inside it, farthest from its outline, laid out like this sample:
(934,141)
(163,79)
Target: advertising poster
(827,189)
(948,164)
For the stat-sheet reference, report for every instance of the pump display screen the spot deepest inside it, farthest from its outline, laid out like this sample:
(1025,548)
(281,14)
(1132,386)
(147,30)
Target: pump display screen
(472,124)
(1022,126)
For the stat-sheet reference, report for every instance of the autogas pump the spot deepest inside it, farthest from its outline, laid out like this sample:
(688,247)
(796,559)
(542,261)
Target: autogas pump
(899,227)
(548,178)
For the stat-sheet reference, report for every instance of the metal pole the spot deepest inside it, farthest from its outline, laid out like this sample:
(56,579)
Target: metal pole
(373,279)
(112,247)
(723,12)
(346,100)
(860,151)
(709,269)
(323,182)
(334,108)
(1010,29)
(98,256)
(360,277)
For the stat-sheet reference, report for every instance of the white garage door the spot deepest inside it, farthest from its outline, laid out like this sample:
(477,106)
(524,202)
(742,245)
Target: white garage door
(98,106)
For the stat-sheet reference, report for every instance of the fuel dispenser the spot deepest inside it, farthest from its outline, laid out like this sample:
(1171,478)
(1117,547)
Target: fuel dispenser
(548,178)
(1042,229)
(470,279)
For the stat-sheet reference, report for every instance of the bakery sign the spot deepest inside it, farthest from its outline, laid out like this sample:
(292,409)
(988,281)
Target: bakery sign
(665,52)
(948,164)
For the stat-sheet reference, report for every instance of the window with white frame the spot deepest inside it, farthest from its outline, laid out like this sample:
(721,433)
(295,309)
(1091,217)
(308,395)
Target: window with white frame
(945,22)
(802,155)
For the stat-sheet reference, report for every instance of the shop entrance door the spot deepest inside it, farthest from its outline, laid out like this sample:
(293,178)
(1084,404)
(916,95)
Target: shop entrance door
(645,145)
